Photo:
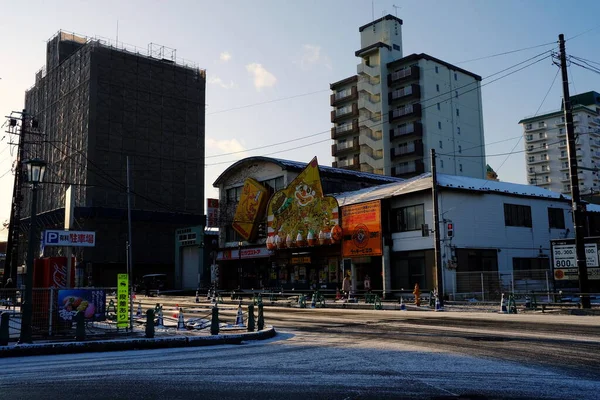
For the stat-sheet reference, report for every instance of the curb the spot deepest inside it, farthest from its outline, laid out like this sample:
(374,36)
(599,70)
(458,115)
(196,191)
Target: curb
(131,344)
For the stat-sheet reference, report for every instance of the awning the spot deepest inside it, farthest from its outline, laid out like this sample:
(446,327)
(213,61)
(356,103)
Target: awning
(233,254)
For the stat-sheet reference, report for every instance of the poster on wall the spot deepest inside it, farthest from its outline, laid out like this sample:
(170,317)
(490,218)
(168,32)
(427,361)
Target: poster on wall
(122,300)
(250,209)
(361,224)
(300,215)
(212,213)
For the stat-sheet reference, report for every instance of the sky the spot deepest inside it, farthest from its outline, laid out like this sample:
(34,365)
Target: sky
(269,63)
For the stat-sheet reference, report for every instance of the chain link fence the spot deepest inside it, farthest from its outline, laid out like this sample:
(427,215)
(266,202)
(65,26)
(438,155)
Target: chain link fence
(489,285)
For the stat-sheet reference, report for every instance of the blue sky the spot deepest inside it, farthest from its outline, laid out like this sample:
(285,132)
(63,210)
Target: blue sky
(259,51)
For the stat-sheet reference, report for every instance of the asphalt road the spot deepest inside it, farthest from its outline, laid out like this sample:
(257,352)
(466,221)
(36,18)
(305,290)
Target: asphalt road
(341,354)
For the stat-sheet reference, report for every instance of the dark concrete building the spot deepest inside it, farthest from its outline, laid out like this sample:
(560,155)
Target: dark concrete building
(97,104)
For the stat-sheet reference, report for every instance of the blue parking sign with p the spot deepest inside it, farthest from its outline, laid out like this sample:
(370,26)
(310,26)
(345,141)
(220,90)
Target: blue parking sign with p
(51,237)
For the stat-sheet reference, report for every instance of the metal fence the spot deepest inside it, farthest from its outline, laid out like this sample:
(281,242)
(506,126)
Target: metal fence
(489,285)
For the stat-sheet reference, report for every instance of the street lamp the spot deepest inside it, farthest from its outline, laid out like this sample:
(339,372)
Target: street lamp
(240,243)
(36,169)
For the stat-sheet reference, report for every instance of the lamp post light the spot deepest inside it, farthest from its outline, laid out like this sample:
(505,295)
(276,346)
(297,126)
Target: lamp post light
(36,169)
(240,261)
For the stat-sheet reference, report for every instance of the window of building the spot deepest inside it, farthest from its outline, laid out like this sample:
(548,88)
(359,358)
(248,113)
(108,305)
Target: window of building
(531,158)
(547,179)
(396,47)
(437,87)
(561,131)
(544,156)
(530,268)
(459,149)
(439,125)
(456,94)
(275,183)
(442,165)
(566,188)
(541,124)
(409,218)
(517,215)
(565,164)
(458,130)
(460,167)
(544,168)
(541,135)
(529,137)
(563,153)
(528,126)
(438,106)
(457,112)
(455,76)
(437,69)
(531,169)
(556,218)
(234,194)
(441,145)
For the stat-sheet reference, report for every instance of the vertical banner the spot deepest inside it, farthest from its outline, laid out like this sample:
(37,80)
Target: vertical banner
(122,300)
(361,224)
(212,213)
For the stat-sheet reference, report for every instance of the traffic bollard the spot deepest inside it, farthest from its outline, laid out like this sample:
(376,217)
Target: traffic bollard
(79,326)
(150,324)
(214,323)
(261,317)
(4,322)
(251,318)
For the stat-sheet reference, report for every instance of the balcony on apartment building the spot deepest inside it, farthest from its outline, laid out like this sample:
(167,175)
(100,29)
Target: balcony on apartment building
(345,129)
(350,163)
(403,112)
(343,96)
(535,126)
(411,149)
(346,147)
(537,149)
(536,138)
(407,92)
(404,75)
(412,128)
(409,169)
(344,112)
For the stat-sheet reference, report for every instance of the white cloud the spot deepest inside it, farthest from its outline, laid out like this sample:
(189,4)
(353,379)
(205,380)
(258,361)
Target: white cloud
(215,80)
(226,146)
(225,56)
(262,77)
(313,55)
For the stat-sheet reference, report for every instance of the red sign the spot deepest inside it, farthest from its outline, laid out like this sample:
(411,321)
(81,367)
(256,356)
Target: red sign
(233,254)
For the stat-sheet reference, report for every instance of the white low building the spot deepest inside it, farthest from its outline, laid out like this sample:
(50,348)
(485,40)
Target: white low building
(495,236)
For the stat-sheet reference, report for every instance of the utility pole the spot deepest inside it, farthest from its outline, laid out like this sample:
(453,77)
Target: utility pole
(576,204)
(129,250)
(18,126)
(439,273)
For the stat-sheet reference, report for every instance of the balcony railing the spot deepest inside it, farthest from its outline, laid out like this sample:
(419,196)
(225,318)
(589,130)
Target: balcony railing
(408,92)
(344,95)
(348,111)
(412,168)
(409,110)
(412,149)
(351,163)
(345,147)
(413,128)
(405,74)
(346,129)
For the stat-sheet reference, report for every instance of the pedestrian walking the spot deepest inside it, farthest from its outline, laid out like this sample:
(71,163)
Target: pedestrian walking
(367,283)
(9,292)
(346,286)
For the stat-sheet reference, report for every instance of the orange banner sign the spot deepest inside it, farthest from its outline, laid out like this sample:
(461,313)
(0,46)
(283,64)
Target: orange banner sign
(361,224)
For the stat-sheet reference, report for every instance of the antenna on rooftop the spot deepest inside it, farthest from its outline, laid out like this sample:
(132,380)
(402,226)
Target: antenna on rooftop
(396,10)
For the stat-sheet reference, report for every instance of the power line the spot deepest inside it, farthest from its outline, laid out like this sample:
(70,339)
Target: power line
(583,33)
(507,52)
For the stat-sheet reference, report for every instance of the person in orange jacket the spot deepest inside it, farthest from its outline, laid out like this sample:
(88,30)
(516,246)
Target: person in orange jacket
(417,293)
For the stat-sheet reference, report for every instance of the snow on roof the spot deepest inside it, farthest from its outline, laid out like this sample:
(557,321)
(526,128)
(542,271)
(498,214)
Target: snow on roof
(593,207)
(423,182)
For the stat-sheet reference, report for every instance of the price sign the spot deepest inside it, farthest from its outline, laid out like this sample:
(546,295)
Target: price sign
(565,256)
(122,300)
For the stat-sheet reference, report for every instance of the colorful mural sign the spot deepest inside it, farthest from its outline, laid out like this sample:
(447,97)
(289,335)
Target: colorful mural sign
(122,300)
(89,301)
(300,215)
(251,207)
(361,224)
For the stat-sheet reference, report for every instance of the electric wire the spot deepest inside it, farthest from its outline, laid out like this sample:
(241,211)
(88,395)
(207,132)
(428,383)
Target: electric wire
(508,52)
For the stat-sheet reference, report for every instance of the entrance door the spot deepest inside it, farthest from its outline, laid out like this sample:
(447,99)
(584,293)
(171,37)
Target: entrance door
(189,267)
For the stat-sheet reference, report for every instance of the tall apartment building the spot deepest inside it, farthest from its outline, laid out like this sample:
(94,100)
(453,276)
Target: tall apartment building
(98,103)
(546,154)
(388,116)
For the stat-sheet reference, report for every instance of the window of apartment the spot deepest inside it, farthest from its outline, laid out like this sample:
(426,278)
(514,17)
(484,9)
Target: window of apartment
(460,167)
(439,125)
(275,183)
(457,112)
(556,218)
(562,119)
(531,169)
(458,130)
(396,47)
(437,87)
(547,179)
(456,94)
(530,268)
(563,142)
(455,76)
(530,147)
(541,124)
(459,149)
(531,159)
(529,137)
(441,145)
(234,194)
(567,176)
(544,156)
(517,215)
(565,164)
(409,218)
(541,135)
(438,106)
(442,165)
(563,153)
(566,188)
(544,168)
(437,69)
(561,131)
(528,126)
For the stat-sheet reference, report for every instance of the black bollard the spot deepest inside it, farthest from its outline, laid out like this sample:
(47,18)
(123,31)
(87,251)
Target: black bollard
(150,324)
(261,317)
(251,318)
(79,326)
(4,336)
(214,323)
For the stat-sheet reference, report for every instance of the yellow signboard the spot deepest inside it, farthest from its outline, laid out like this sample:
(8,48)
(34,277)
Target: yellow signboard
(300,260)
(251,207)
(361,224)
(122,300)
(300,215)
